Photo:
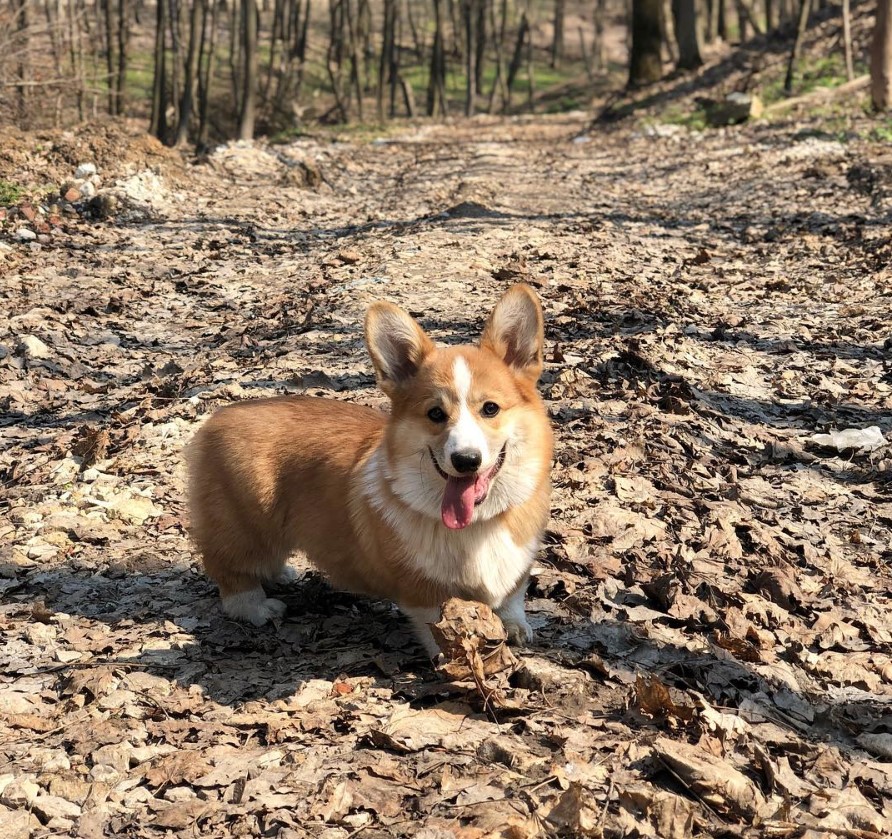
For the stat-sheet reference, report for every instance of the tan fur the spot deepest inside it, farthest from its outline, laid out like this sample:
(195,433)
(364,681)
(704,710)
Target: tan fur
(272,476)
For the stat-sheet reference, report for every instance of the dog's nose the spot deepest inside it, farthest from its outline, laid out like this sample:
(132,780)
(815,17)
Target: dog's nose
(466,461)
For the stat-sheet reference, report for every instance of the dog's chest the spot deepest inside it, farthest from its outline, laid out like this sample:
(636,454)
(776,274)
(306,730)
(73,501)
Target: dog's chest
(481,562)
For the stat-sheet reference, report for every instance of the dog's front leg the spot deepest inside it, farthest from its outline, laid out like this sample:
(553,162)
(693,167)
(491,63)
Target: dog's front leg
(422,617)
(514,617)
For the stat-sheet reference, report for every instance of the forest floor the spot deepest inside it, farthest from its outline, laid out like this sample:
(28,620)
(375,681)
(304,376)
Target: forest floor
(713,650)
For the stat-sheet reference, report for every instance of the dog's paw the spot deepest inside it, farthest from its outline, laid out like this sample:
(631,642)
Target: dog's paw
(519,633)
(253,607)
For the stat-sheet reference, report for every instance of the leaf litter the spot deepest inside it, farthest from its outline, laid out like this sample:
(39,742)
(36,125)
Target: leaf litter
(713,651)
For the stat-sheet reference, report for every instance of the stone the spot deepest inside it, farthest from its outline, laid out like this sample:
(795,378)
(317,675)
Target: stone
(53,806)
(23,234)
(32,347)
(18,824)
(85,170)
(88,190)
(733,109)
(19,792)
(71,194)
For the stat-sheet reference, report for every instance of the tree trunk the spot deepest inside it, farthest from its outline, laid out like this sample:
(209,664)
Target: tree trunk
(480,45)
(158,122)
(207,56)
(110,63)
(498,39)
(123,43)
(687,33)
(598,58)
(804,9)
(23,71)
(436,88)
(196,20)
(249,77)
(881,58)
(469,12)
(523,32)
(645,64)
(557,42)
(847,39)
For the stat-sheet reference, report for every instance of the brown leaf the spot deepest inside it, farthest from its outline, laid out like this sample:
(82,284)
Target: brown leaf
(712,779)
(652,698)
(90,444)
(472,639)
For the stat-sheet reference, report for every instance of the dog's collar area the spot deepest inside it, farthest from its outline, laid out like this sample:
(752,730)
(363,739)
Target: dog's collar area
(495,469)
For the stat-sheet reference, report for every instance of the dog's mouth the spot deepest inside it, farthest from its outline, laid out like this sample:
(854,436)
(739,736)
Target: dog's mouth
(463,494)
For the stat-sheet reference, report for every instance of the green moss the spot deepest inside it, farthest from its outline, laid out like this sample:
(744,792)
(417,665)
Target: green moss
(10,193)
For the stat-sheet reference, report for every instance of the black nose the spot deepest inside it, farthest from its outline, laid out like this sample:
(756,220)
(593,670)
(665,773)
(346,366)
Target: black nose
(468,461)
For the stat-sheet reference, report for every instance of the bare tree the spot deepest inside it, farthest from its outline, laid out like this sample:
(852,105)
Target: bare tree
(802,25)
(645,63)
(557,41)
(248,111)
(158,121)
(687,33)
(847,39)
(469,15)
(436,88)
(190,81)
(881,58)
(23,68)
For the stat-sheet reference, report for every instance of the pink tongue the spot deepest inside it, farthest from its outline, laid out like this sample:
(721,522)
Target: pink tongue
(459,498)
(458,502)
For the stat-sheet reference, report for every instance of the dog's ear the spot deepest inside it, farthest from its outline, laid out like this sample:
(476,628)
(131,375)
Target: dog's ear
(515,331)
(397,344)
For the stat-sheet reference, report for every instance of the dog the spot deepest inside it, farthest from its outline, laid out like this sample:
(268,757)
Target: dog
(446,496)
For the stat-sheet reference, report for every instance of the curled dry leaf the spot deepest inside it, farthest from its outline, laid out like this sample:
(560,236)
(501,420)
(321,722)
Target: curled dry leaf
(711,779)
(653,699)
(472,639)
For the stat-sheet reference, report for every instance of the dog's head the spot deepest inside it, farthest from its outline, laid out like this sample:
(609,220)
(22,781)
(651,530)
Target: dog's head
(469,436)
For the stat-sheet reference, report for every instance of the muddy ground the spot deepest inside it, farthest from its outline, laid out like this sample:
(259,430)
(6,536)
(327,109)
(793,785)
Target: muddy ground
(713,651)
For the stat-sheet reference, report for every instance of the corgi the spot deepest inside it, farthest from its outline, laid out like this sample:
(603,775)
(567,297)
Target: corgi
(446,496)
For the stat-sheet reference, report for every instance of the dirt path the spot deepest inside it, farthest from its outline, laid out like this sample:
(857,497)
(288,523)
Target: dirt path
(712,610)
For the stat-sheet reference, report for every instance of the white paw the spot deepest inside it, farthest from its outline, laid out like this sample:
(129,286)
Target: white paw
(520,633)
(253,606)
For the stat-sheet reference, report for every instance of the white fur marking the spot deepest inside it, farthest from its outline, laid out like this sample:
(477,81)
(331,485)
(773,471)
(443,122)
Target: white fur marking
(515,619)
(253,606)
(466,435)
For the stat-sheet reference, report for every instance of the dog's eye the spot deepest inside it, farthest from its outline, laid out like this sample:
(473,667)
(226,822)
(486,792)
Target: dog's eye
(490,409)
(436,414)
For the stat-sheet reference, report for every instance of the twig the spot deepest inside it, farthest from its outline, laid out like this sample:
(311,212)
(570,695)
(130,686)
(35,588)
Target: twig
(820,94)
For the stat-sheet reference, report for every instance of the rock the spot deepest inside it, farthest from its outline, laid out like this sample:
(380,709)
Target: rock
(85,170)
(349,256)
(54,807)
(103,206)
(88,190)
(20,792)
(32,347)
(136,509)
(23,234)
(54,760)
(17,824)
(734,109)
(70,193)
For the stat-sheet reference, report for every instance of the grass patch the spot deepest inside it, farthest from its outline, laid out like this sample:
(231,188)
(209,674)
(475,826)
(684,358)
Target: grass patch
(10,193)
(825,71)
(882,132)
(695,119)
